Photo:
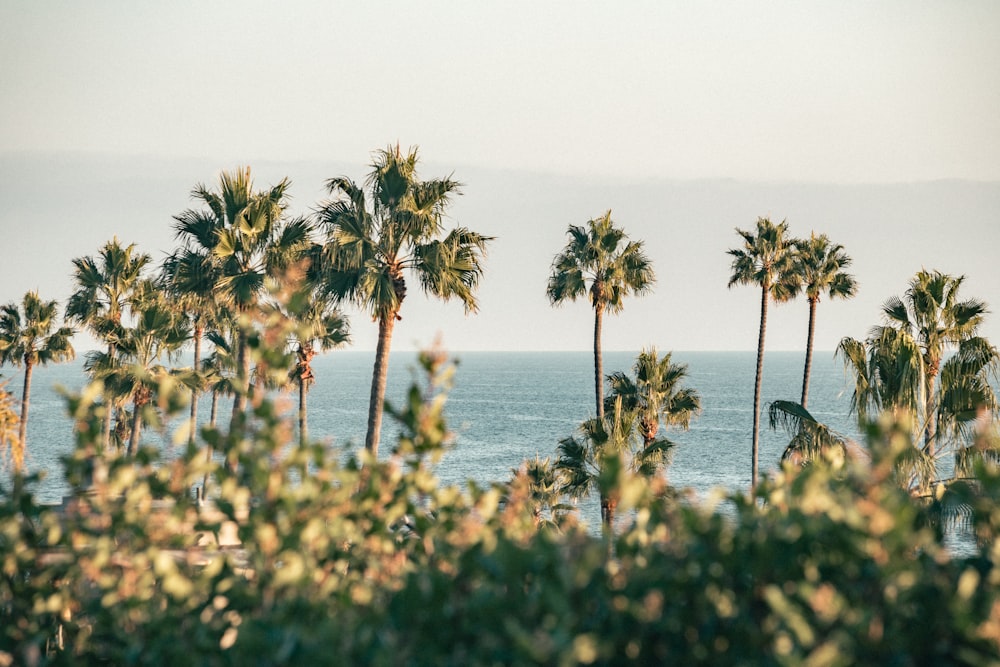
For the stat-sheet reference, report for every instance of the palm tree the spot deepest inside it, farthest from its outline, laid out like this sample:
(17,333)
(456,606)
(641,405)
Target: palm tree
(607,446)
(600,256)
(104,285)
(539,482)
(897,367)
(28,335)
(819,265)
(218,376)
(136,371)
(655,394)
(189,278)
(317,326)
(764,260)
(371,245)
(219,369)
(241,240)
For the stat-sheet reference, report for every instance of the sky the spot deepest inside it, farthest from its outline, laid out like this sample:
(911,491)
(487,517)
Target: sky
(876,123)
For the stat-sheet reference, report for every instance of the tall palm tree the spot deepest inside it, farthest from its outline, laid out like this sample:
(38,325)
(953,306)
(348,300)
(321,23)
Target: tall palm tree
(317,327)
(820,266)
(765,260)
(655,394)
(29,336)
(606,446)
(599,256)
(372,244)
(103,287)
(240,241)
(898,367)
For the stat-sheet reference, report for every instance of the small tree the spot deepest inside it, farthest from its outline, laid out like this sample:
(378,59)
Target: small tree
(608,448)
(29,336)
(656,394)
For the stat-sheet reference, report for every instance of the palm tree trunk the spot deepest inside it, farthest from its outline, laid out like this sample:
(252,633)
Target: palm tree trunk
(199,331)
(106,423)
(930,434)
(608,507)
(380,375)
(303,432)
(208,448)
(22,432)
(809,353)
(598,361)
(757,384)
(133,440)
(242,378)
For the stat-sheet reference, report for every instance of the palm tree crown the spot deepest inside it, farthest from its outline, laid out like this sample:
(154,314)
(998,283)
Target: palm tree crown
(655,394)
(820,266)
(103,284)
(29,336)
(765,260)
(235,245)
(378,233)
(601,262)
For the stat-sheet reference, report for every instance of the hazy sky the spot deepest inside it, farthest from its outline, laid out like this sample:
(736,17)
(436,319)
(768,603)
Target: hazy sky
(687,119)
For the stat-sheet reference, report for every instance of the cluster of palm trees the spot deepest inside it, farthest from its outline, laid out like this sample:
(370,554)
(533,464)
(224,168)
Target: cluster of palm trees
(783,267)
(601,263)
(243,263)
(925,362)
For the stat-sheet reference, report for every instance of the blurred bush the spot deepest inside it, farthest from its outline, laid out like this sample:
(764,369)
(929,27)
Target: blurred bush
(305,556)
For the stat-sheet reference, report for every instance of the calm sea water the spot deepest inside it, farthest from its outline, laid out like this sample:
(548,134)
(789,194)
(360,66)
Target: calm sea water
(508,407)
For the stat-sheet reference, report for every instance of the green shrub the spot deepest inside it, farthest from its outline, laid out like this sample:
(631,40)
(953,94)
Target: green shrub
(365,562)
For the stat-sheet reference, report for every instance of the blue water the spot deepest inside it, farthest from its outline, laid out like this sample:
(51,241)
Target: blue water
(505,408)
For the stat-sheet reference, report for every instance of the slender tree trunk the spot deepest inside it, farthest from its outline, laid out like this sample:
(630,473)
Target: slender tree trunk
(303,429)
(598,361)
(133,440)
(380,375)
(930,434)
(757,384)
(22,431)
(199,331)
(242,377)
(809,352)
(208,448)
(106,423)
(608,507)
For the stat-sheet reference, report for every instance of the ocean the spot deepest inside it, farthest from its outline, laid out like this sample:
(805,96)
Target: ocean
(505,407)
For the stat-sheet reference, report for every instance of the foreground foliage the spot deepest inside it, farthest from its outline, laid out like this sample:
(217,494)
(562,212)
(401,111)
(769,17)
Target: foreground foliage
(364,562)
